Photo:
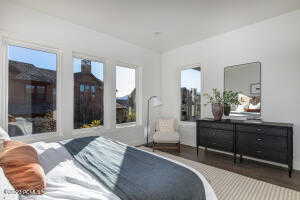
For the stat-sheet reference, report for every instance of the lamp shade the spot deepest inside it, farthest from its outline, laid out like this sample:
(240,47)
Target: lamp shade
(156,102)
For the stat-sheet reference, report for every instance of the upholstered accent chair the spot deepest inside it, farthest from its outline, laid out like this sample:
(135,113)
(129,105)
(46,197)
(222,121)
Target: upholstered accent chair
(166,135)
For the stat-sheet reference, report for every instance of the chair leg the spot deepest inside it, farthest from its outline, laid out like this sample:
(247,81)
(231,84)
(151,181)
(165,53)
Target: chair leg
(153,146)
(179,147)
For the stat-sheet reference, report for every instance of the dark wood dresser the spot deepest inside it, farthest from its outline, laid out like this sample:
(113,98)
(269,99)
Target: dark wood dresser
(265,140)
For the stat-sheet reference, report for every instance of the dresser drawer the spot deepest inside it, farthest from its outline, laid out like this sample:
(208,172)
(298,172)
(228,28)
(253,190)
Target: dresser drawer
(269,147)
(216,139)
(216,125)
(267,130)
(271,143)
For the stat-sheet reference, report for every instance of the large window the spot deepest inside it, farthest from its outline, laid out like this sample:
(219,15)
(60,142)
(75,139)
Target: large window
(88,93)
(125,95)
(31,91)
(190,94)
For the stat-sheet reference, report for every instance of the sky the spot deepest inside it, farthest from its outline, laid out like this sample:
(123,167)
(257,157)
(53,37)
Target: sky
(40,59)
(125,77)
(191,78)
(97,68)
(125,81)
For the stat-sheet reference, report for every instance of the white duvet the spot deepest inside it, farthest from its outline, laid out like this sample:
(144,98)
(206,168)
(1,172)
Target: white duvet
(68,180)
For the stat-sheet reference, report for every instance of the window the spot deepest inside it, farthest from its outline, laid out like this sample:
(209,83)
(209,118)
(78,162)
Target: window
(125,95)
(88,93)
(93,89)
(31,96)
(81,88)
(190,94)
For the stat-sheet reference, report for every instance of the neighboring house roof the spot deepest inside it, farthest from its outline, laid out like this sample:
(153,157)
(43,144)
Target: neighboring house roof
(119,106)
(78,74)
(29,72)
(127,100)
(122,102)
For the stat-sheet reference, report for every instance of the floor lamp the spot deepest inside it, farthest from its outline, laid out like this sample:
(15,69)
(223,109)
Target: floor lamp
(153,101)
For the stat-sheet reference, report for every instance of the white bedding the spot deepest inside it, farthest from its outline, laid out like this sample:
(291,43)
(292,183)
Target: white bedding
(68,180)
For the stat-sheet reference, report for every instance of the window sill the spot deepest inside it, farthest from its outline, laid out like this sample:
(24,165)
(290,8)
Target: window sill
(37,137)
(126,125)
(88,130)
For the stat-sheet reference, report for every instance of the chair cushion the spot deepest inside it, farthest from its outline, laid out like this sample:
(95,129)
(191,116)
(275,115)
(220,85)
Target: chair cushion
(166,137)
(166,125)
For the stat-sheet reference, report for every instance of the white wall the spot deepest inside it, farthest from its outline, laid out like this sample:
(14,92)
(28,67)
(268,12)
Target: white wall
(274,42)
(31,26)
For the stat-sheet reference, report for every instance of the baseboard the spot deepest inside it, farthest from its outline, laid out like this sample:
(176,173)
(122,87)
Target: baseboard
(296,164)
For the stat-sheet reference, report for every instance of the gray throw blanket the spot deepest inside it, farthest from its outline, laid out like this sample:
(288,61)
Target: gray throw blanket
(132,174)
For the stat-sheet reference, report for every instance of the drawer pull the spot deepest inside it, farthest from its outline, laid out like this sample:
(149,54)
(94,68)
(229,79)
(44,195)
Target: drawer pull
(259,139)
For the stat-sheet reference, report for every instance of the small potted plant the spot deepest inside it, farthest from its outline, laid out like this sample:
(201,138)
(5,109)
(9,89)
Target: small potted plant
(230,98)
(217,102)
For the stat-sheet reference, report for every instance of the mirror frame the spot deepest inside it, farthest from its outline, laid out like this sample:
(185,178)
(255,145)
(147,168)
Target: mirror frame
(260,80)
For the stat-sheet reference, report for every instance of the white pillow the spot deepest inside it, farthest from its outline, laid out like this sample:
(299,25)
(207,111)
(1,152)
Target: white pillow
(7,191)
(241,108)
(4,134)
(257,106)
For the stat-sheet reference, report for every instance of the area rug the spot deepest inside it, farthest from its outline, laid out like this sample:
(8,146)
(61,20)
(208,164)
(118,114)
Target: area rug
(232,186)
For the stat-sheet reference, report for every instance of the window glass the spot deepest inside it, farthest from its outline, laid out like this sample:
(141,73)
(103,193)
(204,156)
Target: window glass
(191,94)
(88,93)
(81,88)
(93,89)
(31,100)
(125,95)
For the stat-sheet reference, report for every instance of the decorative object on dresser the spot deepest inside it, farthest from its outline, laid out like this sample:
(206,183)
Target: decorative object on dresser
(216,101)
(221,103)
(268,141)
(230,98)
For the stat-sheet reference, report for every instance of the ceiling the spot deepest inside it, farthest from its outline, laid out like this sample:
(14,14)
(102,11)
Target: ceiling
(162,25)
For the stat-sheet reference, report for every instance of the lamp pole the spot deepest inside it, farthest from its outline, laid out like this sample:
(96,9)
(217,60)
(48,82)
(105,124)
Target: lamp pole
(148,118)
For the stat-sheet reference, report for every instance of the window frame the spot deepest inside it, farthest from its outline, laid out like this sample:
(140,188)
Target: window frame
(106,123)
(182,68)
(4,91)
(65,130)
(138,96)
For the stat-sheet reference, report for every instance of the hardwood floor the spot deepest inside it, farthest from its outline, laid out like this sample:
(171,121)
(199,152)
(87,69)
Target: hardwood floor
(261,171)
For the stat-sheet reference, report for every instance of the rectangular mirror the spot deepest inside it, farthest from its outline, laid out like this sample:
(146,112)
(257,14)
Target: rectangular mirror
(246,80)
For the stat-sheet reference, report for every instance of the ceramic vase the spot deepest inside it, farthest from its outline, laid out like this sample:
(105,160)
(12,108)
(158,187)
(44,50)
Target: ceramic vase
(217,111)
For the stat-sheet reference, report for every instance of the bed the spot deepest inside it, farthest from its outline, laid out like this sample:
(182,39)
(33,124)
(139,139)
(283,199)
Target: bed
(126,172)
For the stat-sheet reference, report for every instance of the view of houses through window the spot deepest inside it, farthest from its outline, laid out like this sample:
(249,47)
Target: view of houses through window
(190,94)
(88,93)
(32,82)
(32,91)
(125,95)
